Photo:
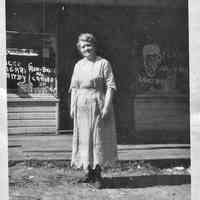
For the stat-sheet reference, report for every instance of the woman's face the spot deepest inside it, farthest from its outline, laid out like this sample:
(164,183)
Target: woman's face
(87,49)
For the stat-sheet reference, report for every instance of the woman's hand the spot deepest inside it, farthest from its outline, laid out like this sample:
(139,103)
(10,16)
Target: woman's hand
(73,97)
(107,103)
(104,113)
(72,113)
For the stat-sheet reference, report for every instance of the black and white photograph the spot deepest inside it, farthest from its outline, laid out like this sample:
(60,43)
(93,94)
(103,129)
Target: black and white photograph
(100,99)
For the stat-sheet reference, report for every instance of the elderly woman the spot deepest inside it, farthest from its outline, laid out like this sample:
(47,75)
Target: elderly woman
(94,135)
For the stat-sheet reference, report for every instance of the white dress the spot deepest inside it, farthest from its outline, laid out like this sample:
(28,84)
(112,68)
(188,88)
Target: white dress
(94,138)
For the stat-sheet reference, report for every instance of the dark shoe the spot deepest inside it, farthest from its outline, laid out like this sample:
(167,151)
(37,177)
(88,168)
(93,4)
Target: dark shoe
(88,176)
(98,181)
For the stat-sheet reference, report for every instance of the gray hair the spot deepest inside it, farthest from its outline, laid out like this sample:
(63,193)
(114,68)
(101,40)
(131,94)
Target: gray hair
(88,37)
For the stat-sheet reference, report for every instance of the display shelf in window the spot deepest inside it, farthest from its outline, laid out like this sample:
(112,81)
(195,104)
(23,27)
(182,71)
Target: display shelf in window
(31,64)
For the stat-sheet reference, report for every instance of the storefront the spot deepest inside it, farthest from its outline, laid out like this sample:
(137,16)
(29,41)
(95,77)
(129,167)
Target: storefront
(31,83)
(31,73)
(146,42)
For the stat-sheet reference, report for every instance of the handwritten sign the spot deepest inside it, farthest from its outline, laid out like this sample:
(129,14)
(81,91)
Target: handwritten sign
(21,72)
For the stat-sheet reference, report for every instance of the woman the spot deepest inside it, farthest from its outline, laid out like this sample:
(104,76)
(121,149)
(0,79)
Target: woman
(92,88)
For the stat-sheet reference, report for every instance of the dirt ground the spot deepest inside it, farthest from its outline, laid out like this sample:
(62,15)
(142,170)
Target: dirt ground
(138,181)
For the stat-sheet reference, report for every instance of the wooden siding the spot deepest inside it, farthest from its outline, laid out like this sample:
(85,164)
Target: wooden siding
(162,113)
(31,130)
(32,115)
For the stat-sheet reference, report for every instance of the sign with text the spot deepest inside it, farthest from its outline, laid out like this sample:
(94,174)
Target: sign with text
(24,69)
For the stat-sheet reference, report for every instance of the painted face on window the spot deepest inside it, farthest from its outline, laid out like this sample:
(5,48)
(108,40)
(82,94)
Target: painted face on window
(87,49)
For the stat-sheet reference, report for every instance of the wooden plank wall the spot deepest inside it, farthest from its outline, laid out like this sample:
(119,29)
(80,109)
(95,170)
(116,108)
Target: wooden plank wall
(162,118)
(162,113)
(32,115)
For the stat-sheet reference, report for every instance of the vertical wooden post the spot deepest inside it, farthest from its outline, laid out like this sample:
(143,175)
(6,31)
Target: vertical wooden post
(3,106)
(60,62)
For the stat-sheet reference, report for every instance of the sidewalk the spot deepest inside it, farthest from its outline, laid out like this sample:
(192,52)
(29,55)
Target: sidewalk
(58,147)
(129,180)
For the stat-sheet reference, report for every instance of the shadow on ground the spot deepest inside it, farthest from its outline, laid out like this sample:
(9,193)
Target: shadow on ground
(145,181)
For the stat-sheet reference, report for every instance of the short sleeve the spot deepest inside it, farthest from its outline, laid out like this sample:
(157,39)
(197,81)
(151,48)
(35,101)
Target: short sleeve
(108,76)
(74,79)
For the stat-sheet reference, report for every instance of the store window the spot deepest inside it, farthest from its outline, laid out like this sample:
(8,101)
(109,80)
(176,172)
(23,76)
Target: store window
(164,70)
(31,61)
